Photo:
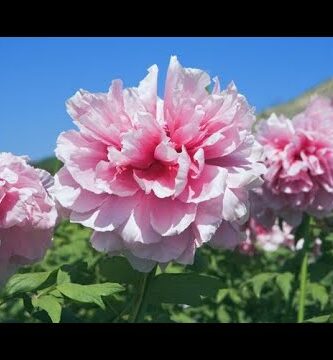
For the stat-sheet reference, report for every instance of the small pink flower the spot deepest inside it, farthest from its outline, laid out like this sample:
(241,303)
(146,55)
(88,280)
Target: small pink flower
(156,179)
(27,213)
(271,239)
(299,158)
(247,246)
(267,239)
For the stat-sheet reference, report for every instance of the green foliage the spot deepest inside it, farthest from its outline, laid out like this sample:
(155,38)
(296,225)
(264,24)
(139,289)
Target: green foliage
(182,288)
(50,164)
(119,270)
(74,283)
(22,283)
(321,319)
(89,293)
(50,304)
(259,281)
(63,277)
(318,293)
(284,282)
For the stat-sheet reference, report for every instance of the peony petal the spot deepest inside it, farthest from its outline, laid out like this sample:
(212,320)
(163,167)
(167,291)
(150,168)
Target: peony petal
(210,184)
(166,153)
(158,178)
(227,236)
(71,196)
(113,212)
(208,218)
(113,181)
(108,241)
(234,205)
(81,156)
(94,116)
(137,229)
(171,217)
(167,249)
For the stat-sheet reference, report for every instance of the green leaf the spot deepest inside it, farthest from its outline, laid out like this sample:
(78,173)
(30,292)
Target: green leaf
(223,315)
(182,288)
(49,304)
(231,293)
(63,277)
(259,281)
(222,293)
(318,293)
(320,319)
(200,263)
(22,283)
(182,318)
(89,293)
(234,296)
(118,270)
(284,282)
(56,293)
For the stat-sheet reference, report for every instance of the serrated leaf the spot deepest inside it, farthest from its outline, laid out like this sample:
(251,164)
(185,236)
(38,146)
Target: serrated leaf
(49,304)
(182,288)
(63,277)
(320,319)
(284,282)
(89,293)
(318,293)
(22,283)
(259,281)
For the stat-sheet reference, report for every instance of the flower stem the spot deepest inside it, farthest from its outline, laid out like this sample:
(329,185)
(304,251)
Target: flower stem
(305,233)
(137,313)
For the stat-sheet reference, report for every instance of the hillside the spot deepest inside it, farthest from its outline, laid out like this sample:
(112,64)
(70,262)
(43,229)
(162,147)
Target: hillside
(289,108)
(296,105)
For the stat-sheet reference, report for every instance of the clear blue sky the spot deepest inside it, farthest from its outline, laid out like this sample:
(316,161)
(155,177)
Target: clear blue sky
(37,75)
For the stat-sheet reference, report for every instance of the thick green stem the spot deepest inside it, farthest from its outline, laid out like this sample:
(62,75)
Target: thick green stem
(305,233)
(138,306)
(302,288)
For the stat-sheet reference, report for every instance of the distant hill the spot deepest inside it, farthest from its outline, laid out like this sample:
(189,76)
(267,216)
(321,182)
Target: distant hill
(298,104)
(50,164)
(289,109)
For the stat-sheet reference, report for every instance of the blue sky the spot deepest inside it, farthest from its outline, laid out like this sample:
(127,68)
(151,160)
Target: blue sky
(37,75)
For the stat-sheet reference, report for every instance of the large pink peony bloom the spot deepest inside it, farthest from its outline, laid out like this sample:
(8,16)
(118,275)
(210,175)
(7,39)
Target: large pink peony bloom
(27,213)
(299,157)
(155,179)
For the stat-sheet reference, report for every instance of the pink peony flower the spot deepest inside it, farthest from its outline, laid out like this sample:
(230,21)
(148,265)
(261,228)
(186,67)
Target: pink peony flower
(155,179)
(27,213)
(270,239)
(273,238)
(299,157)
(247,246)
